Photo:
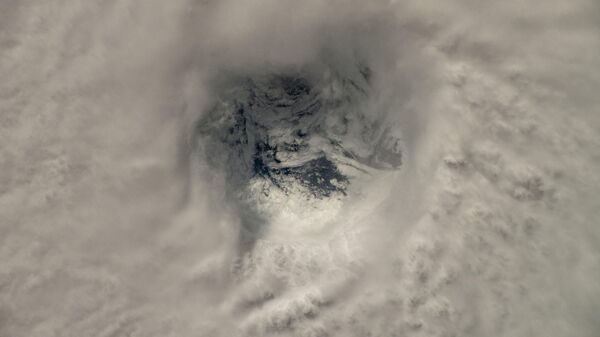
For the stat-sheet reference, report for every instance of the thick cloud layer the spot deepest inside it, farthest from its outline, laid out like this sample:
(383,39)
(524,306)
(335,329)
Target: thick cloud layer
(114,222)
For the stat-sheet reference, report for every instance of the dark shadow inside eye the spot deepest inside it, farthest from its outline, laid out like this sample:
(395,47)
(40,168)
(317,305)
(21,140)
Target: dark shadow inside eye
(296,134)
(280,139)
(295,86)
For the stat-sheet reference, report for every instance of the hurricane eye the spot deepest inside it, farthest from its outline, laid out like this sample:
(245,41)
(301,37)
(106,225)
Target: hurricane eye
(295,86)
(288,134)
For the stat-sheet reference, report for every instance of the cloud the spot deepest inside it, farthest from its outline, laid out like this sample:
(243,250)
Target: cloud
(113,224)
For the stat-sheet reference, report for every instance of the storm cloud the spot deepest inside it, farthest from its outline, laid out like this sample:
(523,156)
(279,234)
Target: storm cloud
(286,168)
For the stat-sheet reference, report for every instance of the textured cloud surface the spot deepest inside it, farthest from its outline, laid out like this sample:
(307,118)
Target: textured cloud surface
(121,216)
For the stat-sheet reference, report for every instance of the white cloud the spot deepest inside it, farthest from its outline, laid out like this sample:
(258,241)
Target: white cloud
(110,226)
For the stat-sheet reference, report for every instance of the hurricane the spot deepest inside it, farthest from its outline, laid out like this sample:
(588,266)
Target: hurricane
(299,168)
